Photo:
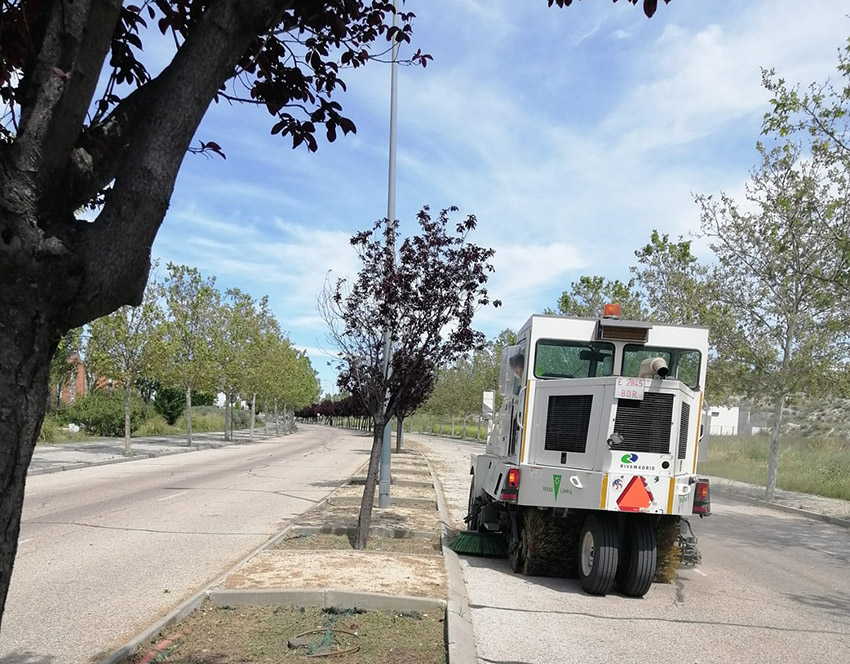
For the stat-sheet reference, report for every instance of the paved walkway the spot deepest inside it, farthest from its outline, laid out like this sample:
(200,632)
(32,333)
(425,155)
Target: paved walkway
(53,457)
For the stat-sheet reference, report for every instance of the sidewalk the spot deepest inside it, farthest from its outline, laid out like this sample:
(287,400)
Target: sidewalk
(830,510)
(55,457)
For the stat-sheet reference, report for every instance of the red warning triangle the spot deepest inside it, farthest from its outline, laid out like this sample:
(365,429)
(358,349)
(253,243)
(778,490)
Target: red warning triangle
(635,497)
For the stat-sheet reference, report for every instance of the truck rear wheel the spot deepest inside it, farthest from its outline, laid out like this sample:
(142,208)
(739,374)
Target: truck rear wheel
(598,554)
(473,522)
(638,558)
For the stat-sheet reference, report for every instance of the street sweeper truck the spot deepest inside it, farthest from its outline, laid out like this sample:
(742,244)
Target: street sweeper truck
(591,462)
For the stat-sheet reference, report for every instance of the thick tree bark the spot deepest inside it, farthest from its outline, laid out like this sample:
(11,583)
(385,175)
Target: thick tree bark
(27,342)
(364,520)
(399,434)
(127,389)
(59,273)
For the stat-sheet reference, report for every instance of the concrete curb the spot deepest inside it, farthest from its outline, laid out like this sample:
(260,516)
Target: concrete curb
(460,638)
(324,599)
(138,456)
(815,516)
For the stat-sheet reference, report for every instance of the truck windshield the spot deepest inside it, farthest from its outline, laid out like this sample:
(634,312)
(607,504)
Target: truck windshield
(682,364)
(557,358)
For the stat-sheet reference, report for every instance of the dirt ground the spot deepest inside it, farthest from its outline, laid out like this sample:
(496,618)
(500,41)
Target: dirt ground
(363,571)
(243,635)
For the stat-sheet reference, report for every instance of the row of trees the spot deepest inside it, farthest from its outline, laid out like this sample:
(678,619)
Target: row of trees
(188,335)
(776,292)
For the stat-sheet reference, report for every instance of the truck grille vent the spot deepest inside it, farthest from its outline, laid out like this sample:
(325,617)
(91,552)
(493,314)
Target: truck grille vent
(567,423)
(683,430)
(645,425)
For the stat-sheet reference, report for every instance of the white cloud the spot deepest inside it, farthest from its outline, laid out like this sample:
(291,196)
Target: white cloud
(571,134)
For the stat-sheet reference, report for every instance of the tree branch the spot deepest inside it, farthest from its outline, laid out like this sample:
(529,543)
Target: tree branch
(156,146)
(58,95)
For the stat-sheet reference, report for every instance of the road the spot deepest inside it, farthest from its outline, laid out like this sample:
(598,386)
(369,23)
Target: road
(773,587)
(105,551)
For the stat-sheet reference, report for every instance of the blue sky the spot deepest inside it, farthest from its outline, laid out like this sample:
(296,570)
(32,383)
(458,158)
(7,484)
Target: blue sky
(570,134)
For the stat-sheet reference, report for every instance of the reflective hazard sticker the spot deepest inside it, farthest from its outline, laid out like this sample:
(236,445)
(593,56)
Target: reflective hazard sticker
(635,497)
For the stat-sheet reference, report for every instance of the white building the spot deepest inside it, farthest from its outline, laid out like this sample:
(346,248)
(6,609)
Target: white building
(724,421)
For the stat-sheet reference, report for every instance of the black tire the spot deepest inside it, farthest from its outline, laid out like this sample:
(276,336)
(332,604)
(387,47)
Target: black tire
(473,522)
(598,553)
(517,544)
(638,558)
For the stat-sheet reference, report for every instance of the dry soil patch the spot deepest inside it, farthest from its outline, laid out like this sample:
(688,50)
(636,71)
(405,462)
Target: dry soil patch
(360,571)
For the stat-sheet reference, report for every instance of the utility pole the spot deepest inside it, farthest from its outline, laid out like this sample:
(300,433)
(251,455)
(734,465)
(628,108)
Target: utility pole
(384,478)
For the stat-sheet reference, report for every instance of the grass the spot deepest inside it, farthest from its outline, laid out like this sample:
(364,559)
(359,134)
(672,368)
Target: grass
(444,426)
(242,635)
(203,421)
(809,465)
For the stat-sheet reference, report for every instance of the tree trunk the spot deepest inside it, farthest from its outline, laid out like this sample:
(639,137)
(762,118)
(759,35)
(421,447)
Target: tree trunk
(253,414)
(230,400)
(227,415)
(266,416)
(276,419)
(127,389)
(368,501)
(26,347)
(773,456)
(399,434)
(188,415)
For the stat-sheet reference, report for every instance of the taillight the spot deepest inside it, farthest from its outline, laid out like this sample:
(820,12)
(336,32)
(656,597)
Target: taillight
(702,498)
(511,488)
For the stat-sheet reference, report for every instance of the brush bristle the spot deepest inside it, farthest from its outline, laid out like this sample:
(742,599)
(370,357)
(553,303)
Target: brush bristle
(667,538)
(487,545)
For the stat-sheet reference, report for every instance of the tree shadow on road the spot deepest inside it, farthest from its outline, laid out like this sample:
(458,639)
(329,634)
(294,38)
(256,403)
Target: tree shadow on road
(18,657)
(837,606)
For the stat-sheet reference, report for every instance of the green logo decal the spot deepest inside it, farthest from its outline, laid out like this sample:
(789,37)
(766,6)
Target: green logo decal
(556,481)
(628,458)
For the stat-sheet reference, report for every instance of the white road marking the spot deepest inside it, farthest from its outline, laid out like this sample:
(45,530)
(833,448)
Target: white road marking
(700,572)
(182,493)
(25,541)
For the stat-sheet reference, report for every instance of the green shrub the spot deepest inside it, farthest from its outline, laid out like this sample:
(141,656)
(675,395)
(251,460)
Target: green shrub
(102,415)
(50,429)
(208,419)
(170,402)
(203,398)
(207,410)
(155,425)
(241,418)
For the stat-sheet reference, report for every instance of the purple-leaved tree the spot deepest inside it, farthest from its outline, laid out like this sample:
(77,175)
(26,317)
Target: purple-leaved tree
(426,298)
